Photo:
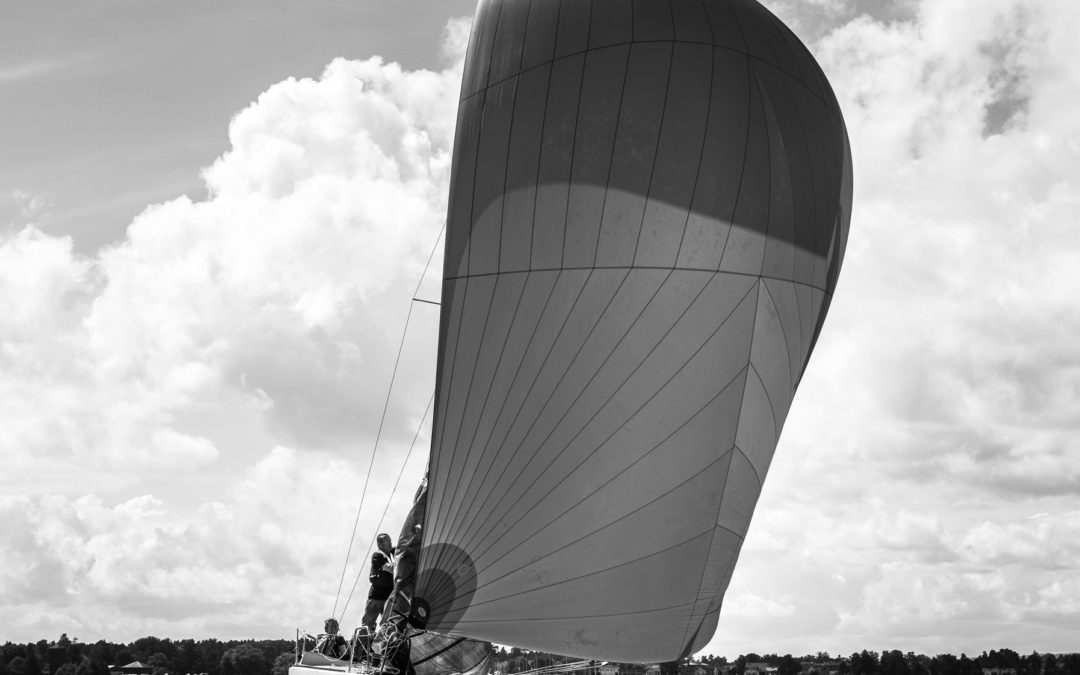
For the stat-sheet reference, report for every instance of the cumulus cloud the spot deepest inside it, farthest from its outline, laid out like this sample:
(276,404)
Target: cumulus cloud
(189,414)
(269,552)
(940,408)
(287,285)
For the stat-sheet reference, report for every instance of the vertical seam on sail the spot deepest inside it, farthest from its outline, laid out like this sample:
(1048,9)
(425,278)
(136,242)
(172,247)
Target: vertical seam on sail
(491,51)
(539,159)
(834,223)
(516,73)
(573,139)
(701,153)
(708,22)
(787,345)
(798,317)
(788,145)
(463,489)
(769,17)
(768,399)
(524,41)
(746,152)
(473,216)
(671,17)
(805,139)
(799,53)
(760,478)
(720,502)
(611,155)
(656,152)
(528,392)
(626,379)
(769,175)
(659,443)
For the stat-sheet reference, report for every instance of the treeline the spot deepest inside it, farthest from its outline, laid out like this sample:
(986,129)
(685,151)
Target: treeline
(163,656)
(273,657)
(898,663)
(860,663)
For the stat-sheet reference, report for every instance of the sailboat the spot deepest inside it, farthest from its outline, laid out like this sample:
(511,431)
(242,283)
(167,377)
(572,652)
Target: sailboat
(649,206)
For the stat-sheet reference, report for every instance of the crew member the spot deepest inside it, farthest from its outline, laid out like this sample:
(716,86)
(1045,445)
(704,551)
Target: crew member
(382,585)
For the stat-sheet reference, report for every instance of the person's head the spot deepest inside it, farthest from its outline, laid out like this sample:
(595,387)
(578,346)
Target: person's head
(378,559)
(330,626)
(384,543)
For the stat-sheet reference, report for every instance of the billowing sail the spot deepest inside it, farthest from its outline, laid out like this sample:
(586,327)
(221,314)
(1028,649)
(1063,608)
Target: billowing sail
(434,654)
(649,206)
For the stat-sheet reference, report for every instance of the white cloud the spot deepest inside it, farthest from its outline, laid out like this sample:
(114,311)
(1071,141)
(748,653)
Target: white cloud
(29,204)
(270,550)
(939,411)
(941,405)
(281,286)
(216,377)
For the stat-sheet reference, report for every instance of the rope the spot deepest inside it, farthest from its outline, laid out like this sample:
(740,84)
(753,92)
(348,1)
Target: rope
(378,434)
(397,482)
(560,668)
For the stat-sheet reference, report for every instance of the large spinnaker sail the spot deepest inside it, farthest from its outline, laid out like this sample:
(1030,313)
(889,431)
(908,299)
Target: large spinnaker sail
(649,207)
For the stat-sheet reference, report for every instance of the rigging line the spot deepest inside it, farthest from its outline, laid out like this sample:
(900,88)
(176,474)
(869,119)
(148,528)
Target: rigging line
(382,419)
(559,668)
(386,509)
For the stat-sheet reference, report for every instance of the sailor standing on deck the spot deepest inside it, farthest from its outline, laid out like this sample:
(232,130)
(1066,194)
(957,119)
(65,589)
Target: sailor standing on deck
(381,577)
(382,585)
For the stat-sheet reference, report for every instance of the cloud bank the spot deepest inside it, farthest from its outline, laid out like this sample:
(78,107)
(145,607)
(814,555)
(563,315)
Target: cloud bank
(924,493)
(189,414)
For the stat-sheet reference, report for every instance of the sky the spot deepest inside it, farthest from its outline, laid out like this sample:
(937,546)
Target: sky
(212,221)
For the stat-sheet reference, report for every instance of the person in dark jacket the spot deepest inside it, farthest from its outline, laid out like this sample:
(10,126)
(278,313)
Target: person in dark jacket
(330,643)
(382,585)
